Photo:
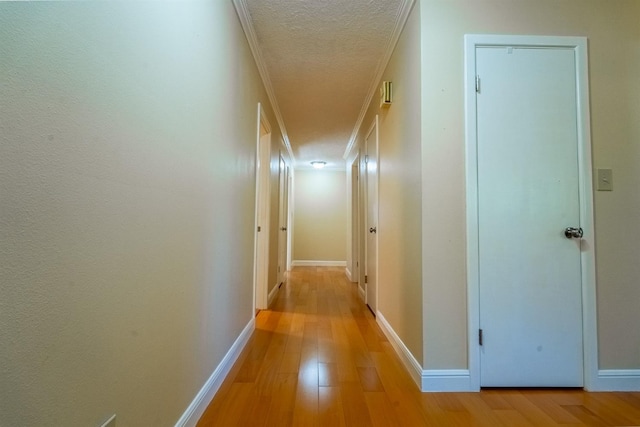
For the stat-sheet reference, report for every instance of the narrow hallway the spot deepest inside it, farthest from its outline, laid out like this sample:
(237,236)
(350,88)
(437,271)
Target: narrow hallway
(318,358)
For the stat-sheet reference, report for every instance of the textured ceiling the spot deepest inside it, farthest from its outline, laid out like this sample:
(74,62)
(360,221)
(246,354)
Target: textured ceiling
(322,57)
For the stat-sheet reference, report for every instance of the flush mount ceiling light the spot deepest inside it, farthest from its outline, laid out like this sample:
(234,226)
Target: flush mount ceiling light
(318,164)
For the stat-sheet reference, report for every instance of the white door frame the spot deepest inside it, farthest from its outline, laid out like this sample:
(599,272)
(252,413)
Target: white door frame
(373,130)
(589,322)
(283,217)
(262,202)
(291,204)
(355,219)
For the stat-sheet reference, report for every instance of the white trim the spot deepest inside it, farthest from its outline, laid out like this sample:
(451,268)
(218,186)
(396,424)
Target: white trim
(363,296)
(401,20)
(273,294)
(261,246)
(447,380)
(431,380)
(618,380)
(194,411)
(409,362)
(348,273)
(374,126)
(314,263)
(589,320)
(247,26)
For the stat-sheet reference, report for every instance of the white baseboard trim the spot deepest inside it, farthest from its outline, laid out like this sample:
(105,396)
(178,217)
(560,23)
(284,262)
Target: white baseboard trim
(192,415)
(361,293)
(409,362)
(272,294)
(447,380)
(428,380)
(348,273)
(312,263)
(617,380)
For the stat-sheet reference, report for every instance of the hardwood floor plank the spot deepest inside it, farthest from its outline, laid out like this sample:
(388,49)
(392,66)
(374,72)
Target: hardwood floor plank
(305,410)
(585,416)
(482,414)
(545,401)
(354,405)
(290,362)
(495,399)
(254,414)
(381,410)
(532,413)
(400,389)
(328,374)
(511,417)
(239,397)
(330,411)
(614,408)
(283,395)
(369,379)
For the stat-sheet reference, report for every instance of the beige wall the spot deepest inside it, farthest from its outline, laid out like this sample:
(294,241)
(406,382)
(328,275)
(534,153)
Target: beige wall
(614,49)
(127,155)
(399,222)
(320,216)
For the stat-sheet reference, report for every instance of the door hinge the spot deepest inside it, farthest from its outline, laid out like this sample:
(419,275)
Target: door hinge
(480,336)
(477,84)
(366,279)
(259,229)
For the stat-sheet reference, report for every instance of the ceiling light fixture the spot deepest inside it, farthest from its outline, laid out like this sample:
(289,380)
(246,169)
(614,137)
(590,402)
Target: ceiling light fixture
(318,164)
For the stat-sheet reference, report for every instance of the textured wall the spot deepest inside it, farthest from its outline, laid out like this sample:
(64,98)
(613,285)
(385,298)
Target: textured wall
(614,56)
(320,216)
(399,201)
(400,210)
(127,153)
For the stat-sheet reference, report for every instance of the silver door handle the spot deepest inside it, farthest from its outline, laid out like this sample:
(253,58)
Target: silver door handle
(373,230)
(573,233)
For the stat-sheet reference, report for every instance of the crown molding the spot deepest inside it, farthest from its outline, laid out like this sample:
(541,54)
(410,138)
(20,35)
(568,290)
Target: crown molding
(401,20)
(247,26)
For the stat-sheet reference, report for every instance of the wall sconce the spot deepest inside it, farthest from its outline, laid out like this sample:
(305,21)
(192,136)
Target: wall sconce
(386,94)
(317,164)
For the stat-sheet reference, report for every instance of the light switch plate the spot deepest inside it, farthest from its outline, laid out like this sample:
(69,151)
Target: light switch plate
(605,180)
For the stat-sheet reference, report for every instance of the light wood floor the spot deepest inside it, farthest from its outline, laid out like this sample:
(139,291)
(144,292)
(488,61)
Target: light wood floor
(317,358)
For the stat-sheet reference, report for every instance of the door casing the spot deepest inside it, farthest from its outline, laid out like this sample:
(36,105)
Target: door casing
(283,218)
(261,240)
(579,45)
(355,219)
(372,186)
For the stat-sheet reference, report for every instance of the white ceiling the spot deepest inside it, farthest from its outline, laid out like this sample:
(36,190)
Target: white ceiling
(321,60)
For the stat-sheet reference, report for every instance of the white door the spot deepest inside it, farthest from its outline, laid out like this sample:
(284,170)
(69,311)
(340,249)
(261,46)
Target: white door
(282,219)
(262,211)
(371,230)
(528,193)
(355,220)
